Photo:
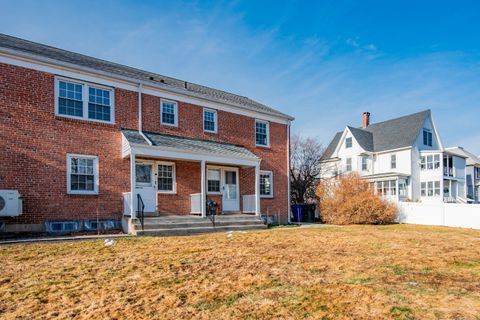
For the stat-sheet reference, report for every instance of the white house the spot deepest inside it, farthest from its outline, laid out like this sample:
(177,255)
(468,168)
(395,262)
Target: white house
(403,158)
(472,174)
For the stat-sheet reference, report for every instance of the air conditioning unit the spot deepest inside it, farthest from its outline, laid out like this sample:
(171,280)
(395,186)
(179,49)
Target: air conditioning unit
(10,203)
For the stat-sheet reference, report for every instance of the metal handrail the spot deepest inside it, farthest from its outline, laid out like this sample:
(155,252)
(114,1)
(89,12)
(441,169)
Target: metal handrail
(140,210)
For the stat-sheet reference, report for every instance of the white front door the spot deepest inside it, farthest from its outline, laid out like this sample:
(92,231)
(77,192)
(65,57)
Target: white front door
(145,185)
(230,190)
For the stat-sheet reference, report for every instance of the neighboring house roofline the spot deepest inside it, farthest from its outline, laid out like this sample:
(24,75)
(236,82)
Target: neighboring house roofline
(209,94)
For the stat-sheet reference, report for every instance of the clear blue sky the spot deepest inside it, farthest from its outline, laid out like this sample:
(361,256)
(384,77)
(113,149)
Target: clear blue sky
(324,62)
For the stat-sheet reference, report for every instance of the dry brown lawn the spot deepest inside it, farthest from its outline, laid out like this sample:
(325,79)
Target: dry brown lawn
(355,272)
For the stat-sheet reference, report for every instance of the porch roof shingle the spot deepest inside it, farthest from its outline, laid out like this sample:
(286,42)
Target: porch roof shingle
(188,144)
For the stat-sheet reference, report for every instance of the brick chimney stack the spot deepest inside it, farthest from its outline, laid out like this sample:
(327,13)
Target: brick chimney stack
(366,119)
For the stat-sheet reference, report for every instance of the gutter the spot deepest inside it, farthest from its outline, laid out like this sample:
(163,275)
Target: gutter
(16,54)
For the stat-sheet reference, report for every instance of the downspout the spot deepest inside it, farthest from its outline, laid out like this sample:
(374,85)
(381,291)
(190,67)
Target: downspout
(140,114)
(288,173)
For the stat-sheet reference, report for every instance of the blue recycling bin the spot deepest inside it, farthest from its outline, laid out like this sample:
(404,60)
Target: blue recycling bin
(297,211)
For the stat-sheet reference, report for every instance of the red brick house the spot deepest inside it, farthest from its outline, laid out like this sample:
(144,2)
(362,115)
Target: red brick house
(80,135)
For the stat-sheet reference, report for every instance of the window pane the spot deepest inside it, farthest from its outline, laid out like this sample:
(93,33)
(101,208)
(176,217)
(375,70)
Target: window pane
(168,112)
(213,180)
(165,177)
(70,99)
(143,173)
(265,185)
(261,133)
(348,143)
(82,177)
(209,121)
(98,106)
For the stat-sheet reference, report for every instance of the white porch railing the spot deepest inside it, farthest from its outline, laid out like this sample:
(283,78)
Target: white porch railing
(127,199)
(196,203)
(248,203)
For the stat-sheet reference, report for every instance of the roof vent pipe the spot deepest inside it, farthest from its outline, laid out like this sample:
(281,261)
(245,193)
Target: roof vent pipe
(366,119)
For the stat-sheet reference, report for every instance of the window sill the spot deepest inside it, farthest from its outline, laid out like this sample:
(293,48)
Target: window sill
(175,125)
(262,146)
(83,120)
(73,193)
(167,192)
(266,197)
(214,193)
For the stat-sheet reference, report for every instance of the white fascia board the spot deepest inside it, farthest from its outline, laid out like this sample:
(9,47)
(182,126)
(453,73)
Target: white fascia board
(440,143)
(65,69)
(191,156)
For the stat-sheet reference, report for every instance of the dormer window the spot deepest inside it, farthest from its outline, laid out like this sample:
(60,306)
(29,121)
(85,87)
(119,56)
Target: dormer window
(427,137)
(348,143)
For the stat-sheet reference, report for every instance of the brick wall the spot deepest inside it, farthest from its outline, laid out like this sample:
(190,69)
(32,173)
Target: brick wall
(34,145)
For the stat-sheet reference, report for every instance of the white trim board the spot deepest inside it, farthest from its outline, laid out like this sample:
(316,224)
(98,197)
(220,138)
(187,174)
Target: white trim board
(103,78)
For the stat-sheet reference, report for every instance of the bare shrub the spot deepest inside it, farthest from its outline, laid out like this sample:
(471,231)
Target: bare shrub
(350,199)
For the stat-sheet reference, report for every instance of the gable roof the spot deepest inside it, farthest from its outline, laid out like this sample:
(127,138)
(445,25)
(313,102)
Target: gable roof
(387,135)
(40,50)
(472,159)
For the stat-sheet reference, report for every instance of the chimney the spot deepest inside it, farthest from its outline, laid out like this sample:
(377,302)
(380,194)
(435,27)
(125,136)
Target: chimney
(366,119)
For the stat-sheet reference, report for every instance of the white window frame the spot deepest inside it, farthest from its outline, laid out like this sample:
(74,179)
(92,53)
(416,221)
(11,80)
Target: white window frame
(206,180)
(85,85)
(215,119)
(175,113)
(347,165)
(174,177)
(95,174)
(364,162)
(270,174)
(268,133)
(348,145)
(393,161)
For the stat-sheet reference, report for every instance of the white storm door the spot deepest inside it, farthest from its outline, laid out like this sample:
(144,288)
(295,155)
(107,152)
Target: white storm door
(145,185)
(230,190)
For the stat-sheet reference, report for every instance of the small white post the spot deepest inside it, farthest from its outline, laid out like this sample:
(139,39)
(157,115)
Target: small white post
(133,197)
(257,189)
(203,195)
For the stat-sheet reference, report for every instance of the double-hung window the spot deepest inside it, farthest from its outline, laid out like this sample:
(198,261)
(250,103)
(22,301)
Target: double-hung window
(348,166)
(262,133)
(82,174)
(82,100)
(430,189)
(266,184)
(348,142)
(166,178)
(364,163)
(210,121)
(393,161)
(427,137)
(168,112)
(213,180)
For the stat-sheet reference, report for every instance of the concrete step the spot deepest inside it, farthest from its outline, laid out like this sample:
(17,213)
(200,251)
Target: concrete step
(197,230)
(204,223)
(192,219)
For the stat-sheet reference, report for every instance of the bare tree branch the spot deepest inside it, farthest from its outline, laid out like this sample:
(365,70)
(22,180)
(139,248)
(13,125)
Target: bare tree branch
(305,168)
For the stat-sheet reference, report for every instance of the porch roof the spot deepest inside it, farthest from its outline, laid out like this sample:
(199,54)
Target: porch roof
(155,144)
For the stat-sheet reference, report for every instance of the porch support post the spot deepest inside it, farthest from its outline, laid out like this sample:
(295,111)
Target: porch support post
(257,189)
(203,195)
(397,190)
(133,197)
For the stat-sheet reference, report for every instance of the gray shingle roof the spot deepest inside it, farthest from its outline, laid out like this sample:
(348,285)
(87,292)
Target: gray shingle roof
(190,145)
(37,49)
(387,135)
(472,160)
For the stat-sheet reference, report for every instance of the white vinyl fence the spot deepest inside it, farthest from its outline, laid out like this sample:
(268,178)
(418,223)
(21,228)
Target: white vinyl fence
(440,214)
